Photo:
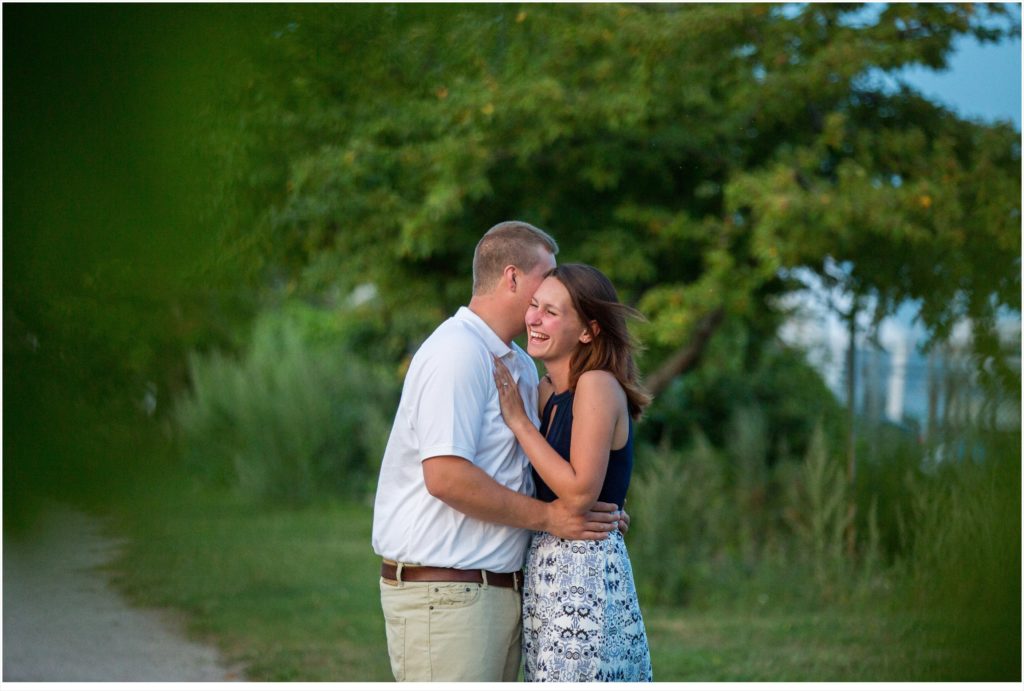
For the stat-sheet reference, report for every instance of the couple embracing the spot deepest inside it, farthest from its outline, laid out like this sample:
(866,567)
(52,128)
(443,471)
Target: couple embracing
(488,468)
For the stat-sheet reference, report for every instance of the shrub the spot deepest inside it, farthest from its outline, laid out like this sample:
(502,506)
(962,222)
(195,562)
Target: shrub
(715,527)
(704,519)
(296,414)
(747,454)
(780,385)
(889,461)
(674,499)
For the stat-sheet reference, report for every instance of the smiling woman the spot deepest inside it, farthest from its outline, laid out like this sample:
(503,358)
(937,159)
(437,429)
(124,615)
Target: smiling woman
(581,616)
(551,316)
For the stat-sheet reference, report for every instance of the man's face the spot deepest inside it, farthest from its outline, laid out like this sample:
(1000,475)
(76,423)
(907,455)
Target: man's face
(528,283)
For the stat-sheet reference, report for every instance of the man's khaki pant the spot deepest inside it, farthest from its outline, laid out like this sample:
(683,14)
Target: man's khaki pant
(452,631)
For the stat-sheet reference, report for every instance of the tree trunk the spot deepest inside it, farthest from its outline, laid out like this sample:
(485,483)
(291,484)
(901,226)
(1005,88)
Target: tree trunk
(687,357)
(933,398)
(851,434)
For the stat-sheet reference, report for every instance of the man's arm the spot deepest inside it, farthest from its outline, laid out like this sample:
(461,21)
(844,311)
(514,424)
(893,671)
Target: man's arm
(469,490)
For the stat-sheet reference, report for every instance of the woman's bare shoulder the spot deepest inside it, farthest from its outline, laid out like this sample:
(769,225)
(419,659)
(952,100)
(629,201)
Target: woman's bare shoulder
(599,385)
(597,378)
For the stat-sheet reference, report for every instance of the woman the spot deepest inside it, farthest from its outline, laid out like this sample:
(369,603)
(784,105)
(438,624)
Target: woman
(581,618)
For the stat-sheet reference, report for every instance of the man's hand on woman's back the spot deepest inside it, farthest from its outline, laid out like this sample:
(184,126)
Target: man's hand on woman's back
(565,522)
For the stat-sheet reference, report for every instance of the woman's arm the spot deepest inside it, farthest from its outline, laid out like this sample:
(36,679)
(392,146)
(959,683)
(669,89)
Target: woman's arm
(599,401)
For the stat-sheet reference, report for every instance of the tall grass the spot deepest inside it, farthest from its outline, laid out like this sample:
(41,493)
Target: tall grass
(963,564)
(818,512)
(716,525)
(719,526)
(709,523)
(749,479)
(674,536)
(291,417)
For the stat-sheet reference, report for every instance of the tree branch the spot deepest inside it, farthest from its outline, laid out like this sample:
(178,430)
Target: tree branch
(687,357)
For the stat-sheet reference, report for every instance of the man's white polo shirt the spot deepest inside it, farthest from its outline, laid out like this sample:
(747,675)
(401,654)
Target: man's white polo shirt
(449,407)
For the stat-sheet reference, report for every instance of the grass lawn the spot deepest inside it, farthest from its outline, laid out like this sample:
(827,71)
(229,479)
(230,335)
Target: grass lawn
(825,645)
(291,594)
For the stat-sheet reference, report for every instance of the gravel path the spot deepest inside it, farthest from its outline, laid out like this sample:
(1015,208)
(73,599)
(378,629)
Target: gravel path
(64,622)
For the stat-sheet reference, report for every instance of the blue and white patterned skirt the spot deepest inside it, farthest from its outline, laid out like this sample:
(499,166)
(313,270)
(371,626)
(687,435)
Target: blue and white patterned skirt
(581,618)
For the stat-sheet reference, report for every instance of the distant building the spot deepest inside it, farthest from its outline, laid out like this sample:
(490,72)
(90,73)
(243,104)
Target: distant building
(897,382)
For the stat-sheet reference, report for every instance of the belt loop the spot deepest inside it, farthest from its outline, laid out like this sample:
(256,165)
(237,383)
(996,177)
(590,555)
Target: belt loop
(515,581)
(483,575)
(398,572)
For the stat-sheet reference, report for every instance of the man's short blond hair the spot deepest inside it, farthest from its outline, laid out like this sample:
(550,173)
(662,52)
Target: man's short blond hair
(509,242)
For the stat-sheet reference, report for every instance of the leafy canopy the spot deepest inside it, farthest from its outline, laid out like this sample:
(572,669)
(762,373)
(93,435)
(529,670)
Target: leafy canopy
(695,153)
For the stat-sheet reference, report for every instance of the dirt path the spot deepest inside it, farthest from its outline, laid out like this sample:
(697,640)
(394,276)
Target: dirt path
(64,622)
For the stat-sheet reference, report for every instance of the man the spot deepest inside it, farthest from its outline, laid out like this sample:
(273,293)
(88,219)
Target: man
(454,506)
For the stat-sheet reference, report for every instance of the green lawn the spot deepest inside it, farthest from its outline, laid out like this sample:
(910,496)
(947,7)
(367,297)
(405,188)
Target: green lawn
(827,645)
(291,594)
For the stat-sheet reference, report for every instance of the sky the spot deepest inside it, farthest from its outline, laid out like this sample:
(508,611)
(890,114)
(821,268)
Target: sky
(984,81)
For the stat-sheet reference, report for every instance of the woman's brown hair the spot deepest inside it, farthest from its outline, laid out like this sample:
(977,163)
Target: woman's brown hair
(612,347)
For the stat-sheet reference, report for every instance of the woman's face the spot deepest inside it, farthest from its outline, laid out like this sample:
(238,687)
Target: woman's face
(553,327)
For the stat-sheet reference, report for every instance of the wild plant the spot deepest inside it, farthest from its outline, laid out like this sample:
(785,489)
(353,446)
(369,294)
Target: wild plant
(290,418)
(818,514)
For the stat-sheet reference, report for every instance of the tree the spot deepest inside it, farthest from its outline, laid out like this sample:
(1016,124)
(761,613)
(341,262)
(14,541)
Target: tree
(694,153)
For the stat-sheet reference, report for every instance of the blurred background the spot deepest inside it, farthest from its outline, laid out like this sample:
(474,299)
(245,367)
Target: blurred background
(227,228)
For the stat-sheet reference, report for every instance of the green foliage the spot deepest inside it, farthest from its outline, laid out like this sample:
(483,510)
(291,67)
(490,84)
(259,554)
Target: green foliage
(114,264)
(673,523)
(819,512)
(710,525)
(964,561)
(295,415)
(890,459)
(698,154)
(695,153)
(936,546)
(742,371)
(748,452)
(716,522)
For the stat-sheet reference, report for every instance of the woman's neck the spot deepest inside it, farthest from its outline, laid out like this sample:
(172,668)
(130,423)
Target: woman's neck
(558,371)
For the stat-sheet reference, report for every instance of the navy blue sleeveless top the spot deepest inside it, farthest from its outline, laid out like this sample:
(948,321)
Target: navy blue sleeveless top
(558,432)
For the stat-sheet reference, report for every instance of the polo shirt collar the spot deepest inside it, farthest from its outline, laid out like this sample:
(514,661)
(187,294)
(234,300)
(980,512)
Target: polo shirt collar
(494,344)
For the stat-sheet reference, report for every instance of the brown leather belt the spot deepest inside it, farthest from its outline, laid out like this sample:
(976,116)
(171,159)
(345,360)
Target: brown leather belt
(437,574)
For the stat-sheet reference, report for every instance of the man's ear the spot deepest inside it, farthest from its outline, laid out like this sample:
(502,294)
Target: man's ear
(509,276)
